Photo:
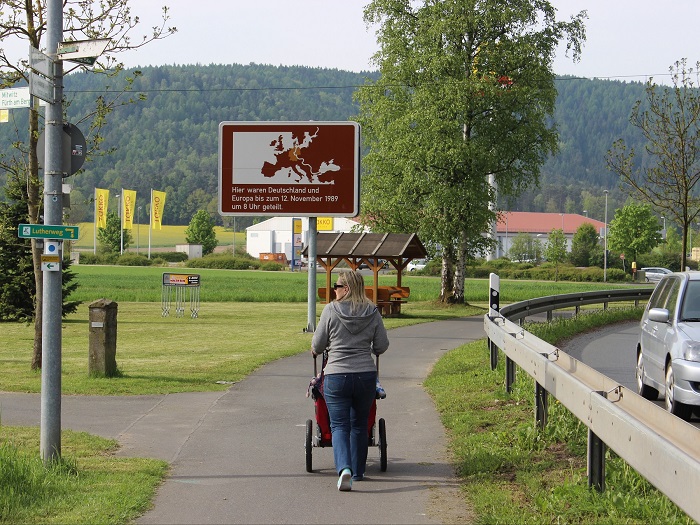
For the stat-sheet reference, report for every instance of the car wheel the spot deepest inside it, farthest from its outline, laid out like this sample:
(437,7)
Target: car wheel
(646,279)
(674,407)
(644,390)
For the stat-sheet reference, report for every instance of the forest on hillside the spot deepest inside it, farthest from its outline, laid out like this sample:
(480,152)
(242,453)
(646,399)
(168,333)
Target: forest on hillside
(169,140)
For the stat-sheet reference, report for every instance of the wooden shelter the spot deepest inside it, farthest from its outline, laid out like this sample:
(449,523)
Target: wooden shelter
(375,250)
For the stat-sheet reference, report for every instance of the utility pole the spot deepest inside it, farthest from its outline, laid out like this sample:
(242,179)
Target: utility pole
(51,337)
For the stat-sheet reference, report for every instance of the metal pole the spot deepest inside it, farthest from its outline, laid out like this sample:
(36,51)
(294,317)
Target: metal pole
(311,301)
(121,223)
(50,432)
(605,242)
(138,228)
(494,311)
(150,225)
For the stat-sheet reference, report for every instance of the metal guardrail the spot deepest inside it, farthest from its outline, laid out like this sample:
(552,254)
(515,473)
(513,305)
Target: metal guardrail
(549,303)
(663,448)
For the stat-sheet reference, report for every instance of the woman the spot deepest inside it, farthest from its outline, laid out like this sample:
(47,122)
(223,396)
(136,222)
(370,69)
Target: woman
(351,329)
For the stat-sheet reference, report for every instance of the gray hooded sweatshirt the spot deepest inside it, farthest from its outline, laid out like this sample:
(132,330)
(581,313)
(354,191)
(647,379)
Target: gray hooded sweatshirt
(351,338)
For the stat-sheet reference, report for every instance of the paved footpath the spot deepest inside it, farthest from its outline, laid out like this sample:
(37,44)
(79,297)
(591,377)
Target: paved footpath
(238,456)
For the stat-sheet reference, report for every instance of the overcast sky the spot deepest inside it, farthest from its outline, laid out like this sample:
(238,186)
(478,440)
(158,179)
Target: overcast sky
(626,39)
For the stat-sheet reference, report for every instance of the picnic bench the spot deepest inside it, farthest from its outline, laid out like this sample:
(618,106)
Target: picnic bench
(389,298)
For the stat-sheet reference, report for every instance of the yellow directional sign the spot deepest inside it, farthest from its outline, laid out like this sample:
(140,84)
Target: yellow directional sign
(50,263)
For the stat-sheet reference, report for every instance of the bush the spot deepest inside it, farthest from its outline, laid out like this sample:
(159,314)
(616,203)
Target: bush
(89,258)
(272,267)
(133,259)
(173,256)
(224,261)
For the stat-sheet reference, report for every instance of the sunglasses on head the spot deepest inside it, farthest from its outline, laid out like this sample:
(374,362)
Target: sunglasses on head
(338,285)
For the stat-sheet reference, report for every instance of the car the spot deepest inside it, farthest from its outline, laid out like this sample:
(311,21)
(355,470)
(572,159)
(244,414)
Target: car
(654,274)
(668,349)
(416,264)
(364,266)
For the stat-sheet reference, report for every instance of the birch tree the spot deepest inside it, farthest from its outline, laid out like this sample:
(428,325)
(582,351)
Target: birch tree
(466,92)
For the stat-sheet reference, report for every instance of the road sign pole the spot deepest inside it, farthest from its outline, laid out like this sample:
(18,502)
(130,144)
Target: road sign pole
(311,302)
(51,343)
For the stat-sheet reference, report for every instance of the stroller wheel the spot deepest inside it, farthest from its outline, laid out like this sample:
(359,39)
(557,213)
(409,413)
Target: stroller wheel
(308,446)
(382,445)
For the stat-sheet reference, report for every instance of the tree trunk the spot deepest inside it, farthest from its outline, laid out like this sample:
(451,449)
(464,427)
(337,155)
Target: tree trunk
(447,276)
(34,205)
(458,283)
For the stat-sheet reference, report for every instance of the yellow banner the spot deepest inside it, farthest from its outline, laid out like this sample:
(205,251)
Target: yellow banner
(157,205)
(101,201)
(128,207)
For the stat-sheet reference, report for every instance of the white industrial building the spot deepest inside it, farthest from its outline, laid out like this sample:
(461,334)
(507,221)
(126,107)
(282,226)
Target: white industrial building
(275,235)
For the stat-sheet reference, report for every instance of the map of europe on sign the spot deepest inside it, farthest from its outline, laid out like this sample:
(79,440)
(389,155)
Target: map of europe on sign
(289,168)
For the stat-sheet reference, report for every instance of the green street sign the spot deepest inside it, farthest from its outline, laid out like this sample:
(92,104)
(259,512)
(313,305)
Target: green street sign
(46,231)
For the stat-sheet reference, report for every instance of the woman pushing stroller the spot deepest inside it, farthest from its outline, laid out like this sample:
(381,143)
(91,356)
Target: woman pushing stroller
(351,330)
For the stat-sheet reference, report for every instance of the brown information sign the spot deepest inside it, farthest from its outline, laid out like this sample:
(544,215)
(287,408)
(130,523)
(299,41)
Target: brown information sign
(289,168)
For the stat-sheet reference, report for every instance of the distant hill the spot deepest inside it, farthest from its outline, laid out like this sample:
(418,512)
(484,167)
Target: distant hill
(169,141)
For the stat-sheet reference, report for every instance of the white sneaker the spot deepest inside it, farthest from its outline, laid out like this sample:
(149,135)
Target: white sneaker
(345,480)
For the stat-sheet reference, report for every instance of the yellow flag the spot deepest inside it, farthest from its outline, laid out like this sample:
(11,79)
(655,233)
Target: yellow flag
(128,207)
(101,200)
(157,205)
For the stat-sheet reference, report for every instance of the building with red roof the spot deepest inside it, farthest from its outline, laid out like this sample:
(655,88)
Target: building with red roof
(539,225)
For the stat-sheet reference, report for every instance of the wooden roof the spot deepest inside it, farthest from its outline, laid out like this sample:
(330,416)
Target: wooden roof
(398,249)
(361,245)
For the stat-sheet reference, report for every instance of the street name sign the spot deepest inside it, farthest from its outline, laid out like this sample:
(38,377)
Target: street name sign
(41,87)
(47,231)
(82,51)
(289,169)
(40,62)
(14,98)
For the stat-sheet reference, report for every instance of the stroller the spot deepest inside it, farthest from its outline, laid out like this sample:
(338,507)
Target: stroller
(319,435)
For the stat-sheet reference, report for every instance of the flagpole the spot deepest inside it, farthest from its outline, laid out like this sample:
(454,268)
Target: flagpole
(94,233)
(150,225)
(121,223)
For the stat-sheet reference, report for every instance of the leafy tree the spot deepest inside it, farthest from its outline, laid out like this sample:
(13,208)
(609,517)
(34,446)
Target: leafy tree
(525,247)
(201,231)
(17,288)
(110,237)
(555,249)
(669,119)
(634,230)
(466,93)
(584,245)
(82,20)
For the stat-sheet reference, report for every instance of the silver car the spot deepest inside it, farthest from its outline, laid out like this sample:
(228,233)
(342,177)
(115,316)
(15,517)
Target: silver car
(668,352)
(654,274)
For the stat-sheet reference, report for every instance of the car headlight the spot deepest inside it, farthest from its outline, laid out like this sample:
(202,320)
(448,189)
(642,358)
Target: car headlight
(691,350)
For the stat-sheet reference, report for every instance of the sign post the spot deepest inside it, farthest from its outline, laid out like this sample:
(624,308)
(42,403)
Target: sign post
(291,169)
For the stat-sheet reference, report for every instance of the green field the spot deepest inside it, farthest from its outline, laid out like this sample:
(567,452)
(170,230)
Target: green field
(167,237)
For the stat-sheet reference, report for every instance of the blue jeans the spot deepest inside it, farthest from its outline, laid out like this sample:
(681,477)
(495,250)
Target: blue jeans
(349,399)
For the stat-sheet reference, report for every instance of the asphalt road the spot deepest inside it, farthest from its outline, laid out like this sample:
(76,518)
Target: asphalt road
(612,351)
